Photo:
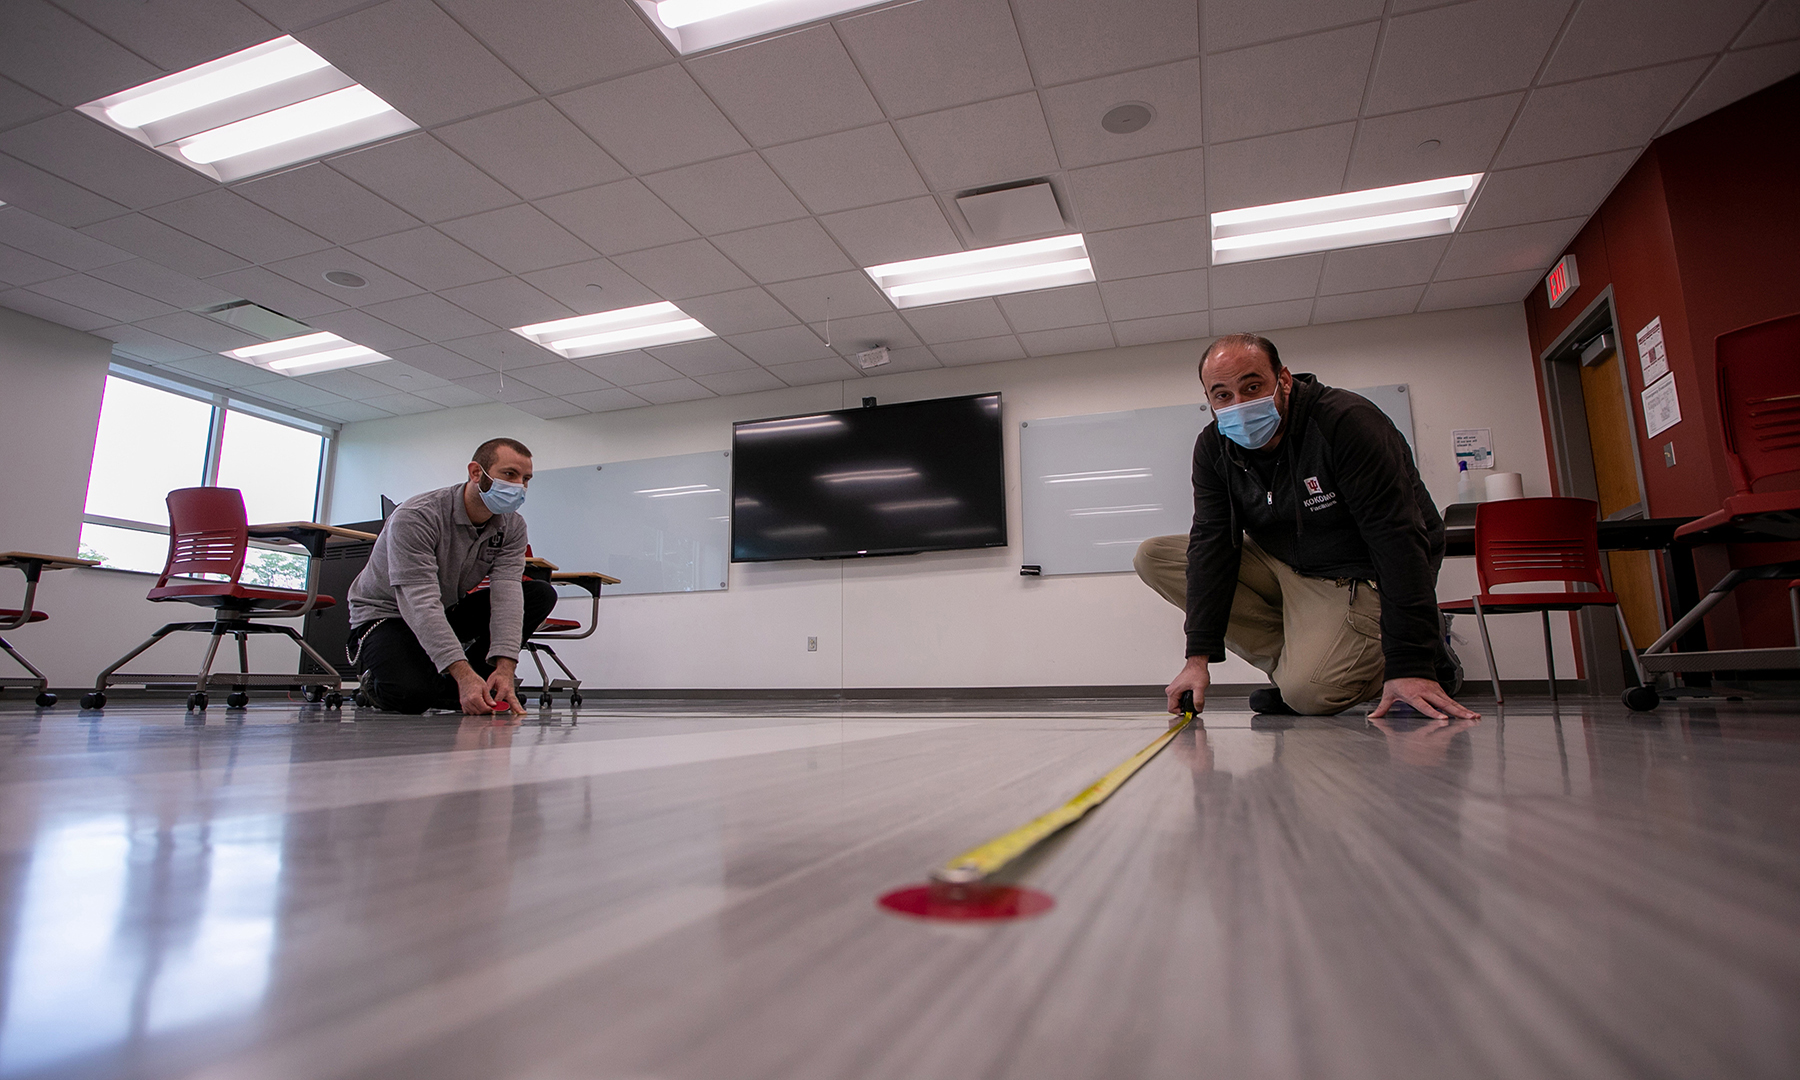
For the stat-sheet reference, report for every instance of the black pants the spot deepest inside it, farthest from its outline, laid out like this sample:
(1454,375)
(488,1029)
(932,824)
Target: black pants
(398,676)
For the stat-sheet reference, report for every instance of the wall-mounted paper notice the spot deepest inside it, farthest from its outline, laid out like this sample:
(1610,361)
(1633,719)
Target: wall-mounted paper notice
(1475,446)
(1653,357)
(1662,409)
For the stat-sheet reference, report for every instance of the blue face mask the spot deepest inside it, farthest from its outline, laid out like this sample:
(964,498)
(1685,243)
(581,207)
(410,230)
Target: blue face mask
(1250,424)
(502,496)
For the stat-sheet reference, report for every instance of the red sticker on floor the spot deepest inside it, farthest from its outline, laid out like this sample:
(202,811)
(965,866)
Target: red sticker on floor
(965,903)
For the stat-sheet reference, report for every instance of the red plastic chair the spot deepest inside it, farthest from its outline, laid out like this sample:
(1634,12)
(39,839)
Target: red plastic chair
(209,535)
(1538,540)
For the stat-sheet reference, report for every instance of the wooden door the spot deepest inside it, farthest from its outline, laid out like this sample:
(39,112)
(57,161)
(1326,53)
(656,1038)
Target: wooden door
(1616,476)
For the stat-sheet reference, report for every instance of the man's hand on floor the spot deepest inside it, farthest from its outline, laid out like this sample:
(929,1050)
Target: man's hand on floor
(504,694)
(1425,695)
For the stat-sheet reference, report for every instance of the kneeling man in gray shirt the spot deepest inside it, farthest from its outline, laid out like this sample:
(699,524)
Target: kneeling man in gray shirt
(422,635)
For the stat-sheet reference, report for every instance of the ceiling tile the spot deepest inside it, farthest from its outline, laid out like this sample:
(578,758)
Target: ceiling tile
(1067,340)
(1613,112)
(1463,51)
(1336,64)
(1187,327)
(52,197)
(346,383)
(1480,291)
(19,105)
(1075,112)
(629,368)
(327,203)
(1161,294)
(862,332)
(1068,40)
(430,317)
(452,396)
(667,393)
(782,252)
(507,302)
(260,285)
(497,387)
(105,162)
(1231,23)
(596,401)
(917,358)
(102,298)
(738,312)
(984,351)
(988,143)
(22,268)
(911,229)
(298,394)
(351,412)
(141,343)
(937,53)
(1424,144)
(1613,35)
(1276,168)
(842,296)
(417,59)
(1138,192)
(1736,76)
(1779,20)
(653,120)
(532,149)
(708,357)
(563,378)
(289,14)
(780,346)
(788,87)
(595,285)
(160,244)
(1261,318)
(1160,248)
(620,217)
(175,34)
(230,221)
(519,238)
(55,311)
(957,322)
(1561,189)
(557,45)
(176,290)
(48,240)
(679,271)
(310,270)
(726,195)
(505,351)
(427,258)
(1509,250)
(439,363)
(1054,309)
(809,372)
(222,372)
(1374,304)
(747,381)
(1410,262)
(366,329)
(849,169)
(549,408)
(423,177)
(1263,282)
(198,331)
(61,58)
(400,376)
(402,404)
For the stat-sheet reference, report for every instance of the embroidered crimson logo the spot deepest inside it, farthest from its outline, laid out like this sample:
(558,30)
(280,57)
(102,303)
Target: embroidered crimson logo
(1312,486)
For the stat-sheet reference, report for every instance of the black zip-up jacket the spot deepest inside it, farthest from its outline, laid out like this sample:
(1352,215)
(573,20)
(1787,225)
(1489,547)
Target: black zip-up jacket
(1344,501)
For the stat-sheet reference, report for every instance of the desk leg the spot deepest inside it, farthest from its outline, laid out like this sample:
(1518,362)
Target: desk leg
(1684,592)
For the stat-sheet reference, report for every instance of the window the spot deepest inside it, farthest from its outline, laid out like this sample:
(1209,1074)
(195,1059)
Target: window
(154,439)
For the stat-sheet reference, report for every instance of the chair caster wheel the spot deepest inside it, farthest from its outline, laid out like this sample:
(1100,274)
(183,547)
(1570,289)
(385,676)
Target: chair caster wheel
(196,701)
(313,694)
(1641,698)
(93,701)
(574,699)
(46,699)
(545,701)
(237,700)
(334,701)
(362,700)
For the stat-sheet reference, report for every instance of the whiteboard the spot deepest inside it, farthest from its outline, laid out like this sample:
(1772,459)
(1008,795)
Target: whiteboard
(1097,486)
(659,525)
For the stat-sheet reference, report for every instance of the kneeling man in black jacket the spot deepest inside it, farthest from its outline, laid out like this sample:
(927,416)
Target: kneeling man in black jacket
(1314,551)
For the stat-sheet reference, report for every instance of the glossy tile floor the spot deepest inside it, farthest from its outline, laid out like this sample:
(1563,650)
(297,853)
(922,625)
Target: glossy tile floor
(677,891)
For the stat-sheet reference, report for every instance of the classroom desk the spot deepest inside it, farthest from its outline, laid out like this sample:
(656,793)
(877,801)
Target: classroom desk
(312,536)
(32,565)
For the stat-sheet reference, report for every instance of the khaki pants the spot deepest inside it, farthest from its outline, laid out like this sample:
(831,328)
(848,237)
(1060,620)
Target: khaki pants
(1318,646)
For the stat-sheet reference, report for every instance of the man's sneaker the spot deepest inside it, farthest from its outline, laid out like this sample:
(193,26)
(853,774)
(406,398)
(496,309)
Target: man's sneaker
(1449,666)
(1267,700)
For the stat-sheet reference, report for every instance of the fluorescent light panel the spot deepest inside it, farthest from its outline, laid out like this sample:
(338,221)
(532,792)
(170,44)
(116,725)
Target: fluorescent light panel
(307,354)
(1352,219)
(268,106)
(691,26)
(622,330)
(963,275)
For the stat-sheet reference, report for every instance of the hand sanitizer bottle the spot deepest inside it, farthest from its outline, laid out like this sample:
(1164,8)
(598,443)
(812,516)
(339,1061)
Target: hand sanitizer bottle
(1467,490)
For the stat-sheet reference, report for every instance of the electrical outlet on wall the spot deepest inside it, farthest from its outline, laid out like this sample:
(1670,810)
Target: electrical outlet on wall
(1668,455)
(812,644)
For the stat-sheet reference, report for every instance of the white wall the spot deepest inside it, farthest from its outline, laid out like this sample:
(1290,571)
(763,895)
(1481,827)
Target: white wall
(967,618)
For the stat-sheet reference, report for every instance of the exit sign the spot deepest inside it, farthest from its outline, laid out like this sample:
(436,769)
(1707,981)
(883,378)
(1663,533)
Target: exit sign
(1562,281)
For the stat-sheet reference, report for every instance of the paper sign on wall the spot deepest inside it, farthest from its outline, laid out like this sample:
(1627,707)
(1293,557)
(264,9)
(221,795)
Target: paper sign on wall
(1475,446)
(1653,357)
(1662,409)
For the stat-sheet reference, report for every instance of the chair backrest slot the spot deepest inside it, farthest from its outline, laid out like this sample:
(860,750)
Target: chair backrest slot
(208,533)
(1550,540)
(1759,395)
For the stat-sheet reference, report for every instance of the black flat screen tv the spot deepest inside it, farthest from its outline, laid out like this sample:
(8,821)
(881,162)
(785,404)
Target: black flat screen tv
(880,480)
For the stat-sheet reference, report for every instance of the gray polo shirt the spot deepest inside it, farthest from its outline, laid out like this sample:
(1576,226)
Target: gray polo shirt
(428,556)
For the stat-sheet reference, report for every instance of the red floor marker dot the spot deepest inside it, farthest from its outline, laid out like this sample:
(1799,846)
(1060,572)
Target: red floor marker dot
(967,903)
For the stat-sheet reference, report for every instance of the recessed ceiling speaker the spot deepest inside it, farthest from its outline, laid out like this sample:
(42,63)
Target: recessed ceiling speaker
(346,279)
(1127,118)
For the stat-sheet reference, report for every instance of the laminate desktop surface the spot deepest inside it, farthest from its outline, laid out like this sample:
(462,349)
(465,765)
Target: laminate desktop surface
(683,890)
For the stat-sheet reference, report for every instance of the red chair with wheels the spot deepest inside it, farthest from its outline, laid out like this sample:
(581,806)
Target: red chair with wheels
(208,539)
(1541,540)
(1759,405)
